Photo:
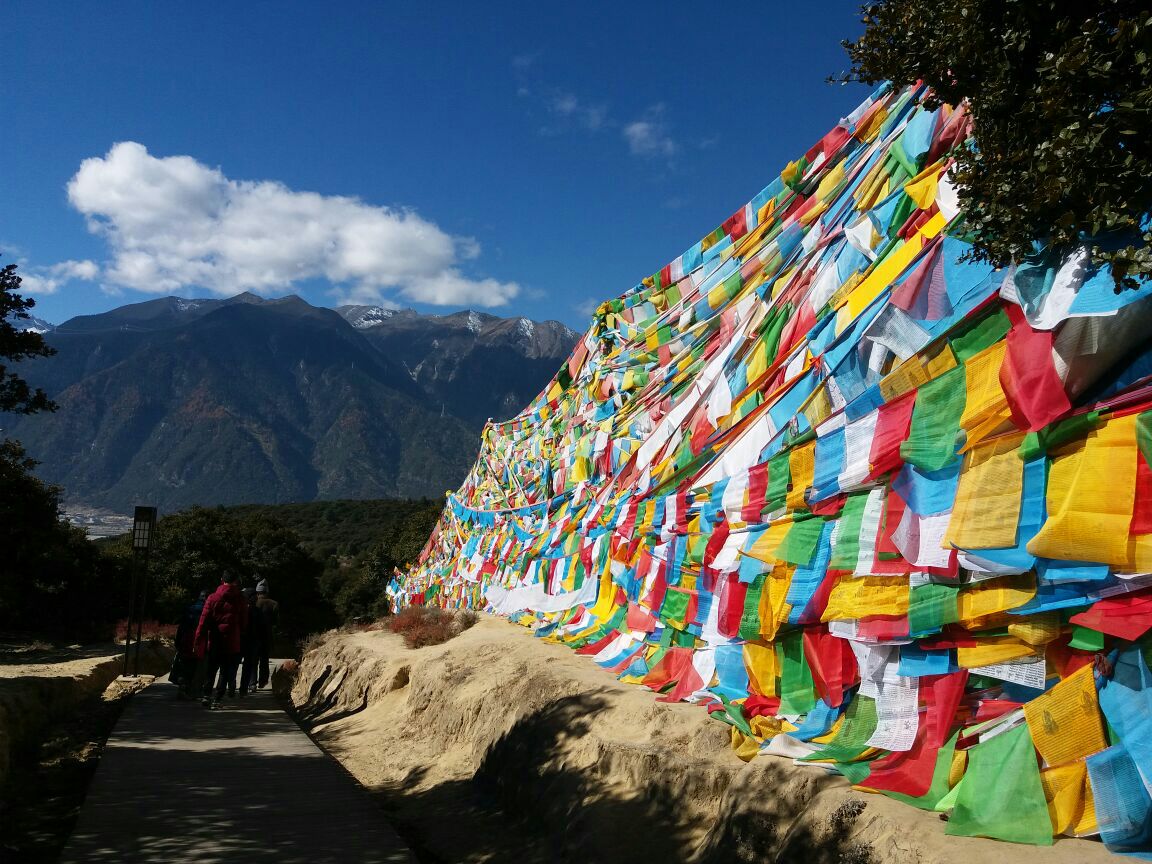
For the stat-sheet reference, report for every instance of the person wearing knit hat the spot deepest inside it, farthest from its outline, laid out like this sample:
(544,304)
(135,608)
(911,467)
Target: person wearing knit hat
(270,618)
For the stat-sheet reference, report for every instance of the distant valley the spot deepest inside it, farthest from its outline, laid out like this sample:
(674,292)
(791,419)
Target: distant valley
(178,402)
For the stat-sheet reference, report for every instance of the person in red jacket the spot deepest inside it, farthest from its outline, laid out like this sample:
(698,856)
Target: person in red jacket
(220,635)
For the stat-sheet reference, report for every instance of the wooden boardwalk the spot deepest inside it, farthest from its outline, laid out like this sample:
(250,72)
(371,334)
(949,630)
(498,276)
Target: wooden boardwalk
(180,783)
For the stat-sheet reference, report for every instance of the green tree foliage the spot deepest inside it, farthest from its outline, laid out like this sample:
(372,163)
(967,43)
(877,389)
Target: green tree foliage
(1060,97)
(355,581)
(53,582)
(326,561)
(17,345)
(348,529)
(195,547)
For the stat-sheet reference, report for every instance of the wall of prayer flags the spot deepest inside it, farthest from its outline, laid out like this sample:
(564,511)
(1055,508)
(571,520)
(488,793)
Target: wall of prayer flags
(857,496)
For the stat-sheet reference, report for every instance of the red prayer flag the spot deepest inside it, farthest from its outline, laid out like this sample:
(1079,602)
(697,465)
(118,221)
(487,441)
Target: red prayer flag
(1034,390)
(892,424)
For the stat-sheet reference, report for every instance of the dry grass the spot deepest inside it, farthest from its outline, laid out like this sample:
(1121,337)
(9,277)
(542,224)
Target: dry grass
(313,641)
(148,630)
(422,626)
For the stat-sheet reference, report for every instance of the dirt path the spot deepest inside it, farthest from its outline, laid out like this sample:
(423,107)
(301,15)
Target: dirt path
(178,782)
(57,707)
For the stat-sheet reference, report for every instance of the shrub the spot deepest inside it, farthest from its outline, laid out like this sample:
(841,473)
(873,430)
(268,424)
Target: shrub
(148,630)
(422,626)
(312,641)
(464,619)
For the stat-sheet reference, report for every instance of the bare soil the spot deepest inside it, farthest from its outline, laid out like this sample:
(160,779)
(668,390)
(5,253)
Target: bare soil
(497,746)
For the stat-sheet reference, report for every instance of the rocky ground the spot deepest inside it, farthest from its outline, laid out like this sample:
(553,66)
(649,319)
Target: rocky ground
(497,746)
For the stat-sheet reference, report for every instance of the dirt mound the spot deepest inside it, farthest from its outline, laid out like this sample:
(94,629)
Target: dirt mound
(40,687)
(496,744)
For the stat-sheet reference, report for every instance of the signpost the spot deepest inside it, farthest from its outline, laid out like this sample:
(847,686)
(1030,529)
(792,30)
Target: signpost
(143,536)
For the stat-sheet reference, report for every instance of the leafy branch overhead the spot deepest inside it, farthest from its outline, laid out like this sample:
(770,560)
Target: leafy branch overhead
(16,345)
(1060,98)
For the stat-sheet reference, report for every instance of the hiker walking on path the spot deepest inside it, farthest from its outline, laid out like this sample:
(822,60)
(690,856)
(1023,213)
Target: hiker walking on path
(252,642)
(184,667)
(270,619)
(219,636)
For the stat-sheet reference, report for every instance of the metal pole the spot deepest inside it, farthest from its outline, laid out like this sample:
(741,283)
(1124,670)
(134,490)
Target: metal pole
(143,603)
(131,612)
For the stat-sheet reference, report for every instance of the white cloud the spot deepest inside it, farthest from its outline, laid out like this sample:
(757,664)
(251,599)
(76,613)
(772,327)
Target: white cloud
(174,222)
(590,116)
(587,307)
(42,281)
(649,136)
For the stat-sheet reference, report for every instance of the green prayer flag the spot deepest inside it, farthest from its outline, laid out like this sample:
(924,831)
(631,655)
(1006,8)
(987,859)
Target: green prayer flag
(797,690)
(931,443)
(801,541)
(1036,444)
(773,329)
(846,549)
(750,619)
(1086,639)
(1001,795)
(852,740)
(675,605)
(1144,436)
(983,334)
(932,606)
(779,475)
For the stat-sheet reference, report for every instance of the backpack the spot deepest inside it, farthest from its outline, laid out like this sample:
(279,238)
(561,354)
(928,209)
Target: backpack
(224,615)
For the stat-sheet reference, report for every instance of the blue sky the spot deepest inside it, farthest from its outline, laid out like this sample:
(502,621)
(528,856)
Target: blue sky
(527,159)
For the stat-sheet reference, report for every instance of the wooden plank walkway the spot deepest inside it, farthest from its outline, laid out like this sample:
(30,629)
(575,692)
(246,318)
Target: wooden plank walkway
(180,783)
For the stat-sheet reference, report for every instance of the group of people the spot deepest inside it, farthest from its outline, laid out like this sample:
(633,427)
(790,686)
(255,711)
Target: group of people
(220,632)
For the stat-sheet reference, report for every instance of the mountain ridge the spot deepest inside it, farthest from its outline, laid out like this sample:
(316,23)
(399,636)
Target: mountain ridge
(249,400)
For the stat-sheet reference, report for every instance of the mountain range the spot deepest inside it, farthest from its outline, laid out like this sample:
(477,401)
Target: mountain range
(177,402)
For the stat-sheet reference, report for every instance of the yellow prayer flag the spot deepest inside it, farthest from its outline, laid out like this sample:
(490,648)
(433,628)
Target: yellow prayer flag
(802,465)
(745,746)
(922,187)
(995,595)
(774,608)
(957,768)
(862,596)
(818,407)
(1091,490)
(757,361)
(987,504)
(1038,629)
(992,650)
(832,179)
(764,547)
(760,661)
(985,399)
(885,272)
(1065,721)
(1064,792)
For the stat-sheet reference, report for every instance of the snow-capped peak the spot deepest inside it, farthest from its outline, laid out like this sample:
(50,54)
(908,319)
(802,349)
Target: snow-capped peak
(371,316)
(32,324)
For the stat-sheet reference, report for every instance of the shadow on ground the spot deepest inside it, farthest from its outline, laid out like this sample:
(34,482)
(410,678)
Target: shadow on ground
(527,803)
(178,782)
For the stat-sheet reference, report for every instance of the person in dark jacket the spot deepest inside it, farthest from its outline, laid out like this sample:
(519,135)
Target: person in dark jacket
(270,620)
(219,637)
(184,668)
(251,643)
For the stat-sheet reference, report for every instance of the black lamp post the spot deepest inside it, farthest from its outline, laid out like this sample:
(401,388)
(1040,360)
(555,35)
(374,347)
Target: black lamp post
(143,535)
